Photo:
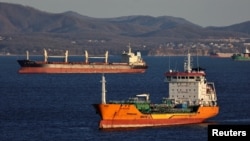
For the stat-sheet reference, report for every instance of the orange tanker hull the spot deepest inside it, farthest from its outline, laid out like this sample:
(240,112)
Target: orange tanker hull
(127,115)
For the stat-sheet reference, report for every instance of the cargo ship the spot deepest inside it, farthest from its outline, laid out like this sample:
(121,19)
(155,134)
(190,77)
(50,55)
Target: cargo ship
(191,99)
(244,56)
(221,55)
(130,63)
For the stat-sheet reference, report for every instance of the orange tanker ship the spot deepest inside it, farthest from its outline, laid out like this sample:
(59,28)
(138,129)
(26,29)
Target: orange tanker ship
(191,100)
(130,63)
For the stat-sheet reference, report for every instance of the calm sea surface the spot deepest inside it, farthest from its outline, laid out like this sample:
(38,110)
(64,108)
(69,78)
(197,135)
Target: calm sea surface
(57,107)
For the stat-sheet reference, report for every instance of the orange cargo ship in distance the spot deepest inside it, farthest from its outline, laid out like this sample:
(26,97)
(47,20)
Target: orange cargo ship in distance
(191,99)
(130,63)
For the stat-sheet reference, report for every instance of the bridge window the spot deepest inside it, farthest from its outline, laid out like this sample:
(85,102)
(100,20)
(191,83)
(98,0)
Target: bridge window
(191,77)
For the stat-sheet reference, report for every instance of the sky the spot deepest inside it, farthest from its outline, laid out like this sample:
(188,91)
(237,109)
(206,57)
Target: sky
(201,12)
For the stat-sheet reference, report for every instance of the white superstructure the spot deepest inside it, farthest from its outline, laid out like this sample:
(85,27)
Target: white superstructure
(191,86)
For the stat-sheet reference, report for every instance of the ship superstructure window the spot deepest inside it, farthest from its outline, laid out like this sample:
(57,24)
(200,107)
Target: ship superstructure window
(191,77)
(183,78)
(168,78)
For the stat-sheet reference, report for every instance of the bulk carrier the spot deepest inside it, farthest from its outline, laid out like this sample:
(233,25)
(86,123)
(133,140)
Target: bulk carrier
(221,55)
(130,63)
(191,99)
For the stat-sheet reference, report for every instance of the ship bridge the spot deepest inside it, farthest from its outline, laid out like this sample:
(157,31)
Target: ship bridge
(184,77)
(190,86)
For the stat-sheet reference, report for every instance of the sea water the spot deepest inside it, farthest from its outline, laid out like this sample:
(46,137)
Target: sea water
(58,107)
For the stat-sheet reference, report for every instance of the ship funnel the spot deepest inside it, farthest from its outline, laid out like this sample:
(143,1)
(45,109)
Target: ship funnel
(103,89)
(246,50)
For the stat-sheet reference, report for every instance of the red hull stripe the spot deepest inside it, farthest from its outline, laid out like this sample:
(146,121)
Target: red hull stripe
(146,123)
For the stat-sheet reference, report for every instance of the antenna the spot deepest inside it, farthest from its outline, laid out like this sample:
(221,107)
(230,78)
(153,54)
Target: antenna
(169,63)
(198,68)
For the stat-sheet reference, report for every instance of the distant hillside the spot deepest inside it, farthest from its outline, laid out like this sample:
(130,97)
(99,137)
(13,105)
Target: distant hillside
(18,18)
(42,29)
(240,28)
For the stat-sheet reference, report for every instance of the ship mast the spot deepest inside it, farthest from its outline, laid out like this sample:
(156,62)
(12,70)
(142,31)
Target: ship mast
(106,57)
(129,48)
(27,55)
(66,56)
(86,57)
(187,64)
(45,56)
(103,89)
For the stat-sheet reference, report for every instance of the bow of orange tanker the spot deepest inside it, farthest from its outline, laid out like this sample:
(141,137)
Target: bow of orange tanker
(191,99)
